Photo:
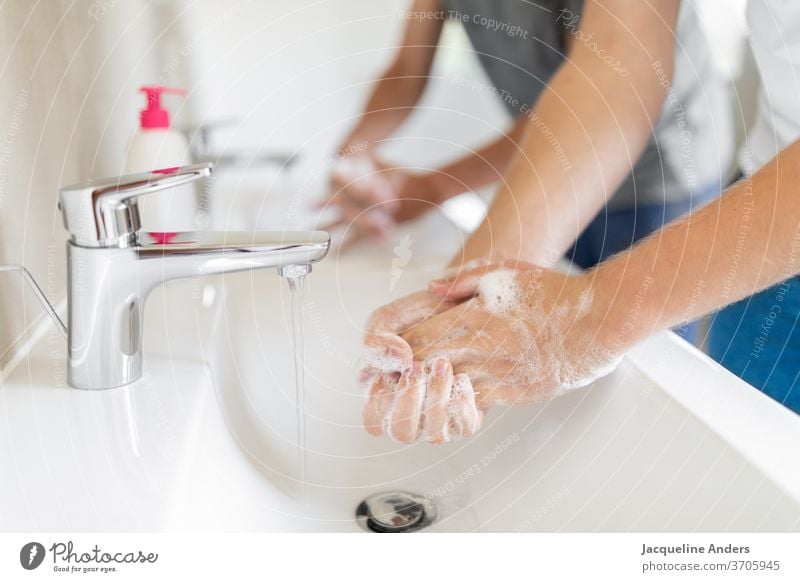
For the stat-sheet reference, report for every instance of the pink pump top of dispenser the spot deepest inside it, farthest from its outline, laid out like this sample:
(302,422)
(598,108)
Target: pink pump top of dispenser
(154,116)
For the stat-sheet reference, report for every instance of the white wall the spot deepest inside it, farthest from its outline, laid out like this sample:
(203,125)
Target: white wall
(295,72)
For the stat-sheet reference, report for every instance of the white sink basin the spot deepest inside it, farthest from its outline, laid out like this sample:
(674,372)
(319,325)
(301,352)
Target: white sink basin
(205,441)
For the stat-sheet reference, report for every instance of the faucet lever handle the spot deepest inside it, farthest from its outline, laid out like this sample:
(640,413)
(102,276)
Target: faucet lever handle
(104,212)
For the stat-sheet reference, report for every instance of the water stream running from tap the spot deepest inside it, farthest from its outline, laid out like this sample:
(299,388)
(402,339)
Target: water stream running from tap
(297,286)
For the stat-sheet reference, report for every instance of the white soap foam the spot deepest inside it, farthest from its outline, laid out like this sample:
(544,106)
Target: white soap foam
(502,294)
(499,291)
(593,363)
(379,361)
(462,386)
(430,404)
(387,421)
(422,390)
(462,408)
(574,381)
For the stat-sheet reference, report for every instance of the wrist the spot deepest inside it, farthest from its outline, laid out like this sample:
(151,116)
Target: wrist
(621,312)
(441,186)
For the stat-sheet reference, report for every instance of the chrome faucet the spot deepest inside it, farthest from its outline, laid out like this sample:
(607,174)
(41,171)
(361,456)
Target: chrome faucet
(113,266)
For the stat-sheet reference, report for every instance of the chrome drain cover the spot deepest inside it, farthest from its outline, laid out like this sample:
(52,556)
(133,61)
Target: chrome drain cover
(395,512)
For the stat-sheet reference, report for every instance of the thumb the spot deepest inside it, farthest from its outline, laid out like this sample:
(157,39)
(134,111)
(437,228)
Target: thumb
(464,284)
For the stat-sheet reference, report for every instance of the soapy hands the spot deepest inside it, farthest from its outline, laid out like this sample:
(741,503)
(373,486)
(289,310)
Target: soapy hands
(502,334)
(396,383)
(373,197)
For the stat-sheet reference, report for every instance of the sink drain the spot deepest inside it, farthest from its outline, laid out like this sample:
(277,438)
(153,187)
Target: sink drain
(395,512)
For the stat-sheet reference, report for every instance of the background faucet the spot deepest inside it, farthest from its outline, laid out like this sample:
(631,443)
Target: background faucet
(199,138)
(113,266)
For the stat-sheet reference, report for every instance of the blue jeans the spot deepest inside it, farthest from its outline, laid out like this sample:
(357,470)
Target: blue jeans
(758,339)
(614,231)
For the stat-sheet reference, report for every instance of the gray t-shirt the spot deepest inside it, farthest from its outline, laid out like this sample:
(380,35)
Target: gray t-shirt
(521,43)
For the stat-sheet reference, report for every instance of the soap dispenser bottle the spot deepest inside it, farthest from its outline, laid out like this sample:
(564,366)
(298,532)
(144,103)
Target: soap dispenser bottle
(156,146)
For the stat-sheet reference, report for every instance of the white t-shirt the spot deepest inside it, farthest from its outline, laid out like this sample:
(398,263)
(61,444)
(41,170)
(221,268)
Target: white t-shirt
(774,27)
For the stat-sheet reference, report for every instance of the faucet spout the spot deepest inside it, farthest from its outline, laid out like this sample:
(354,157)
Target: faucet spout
(209,253)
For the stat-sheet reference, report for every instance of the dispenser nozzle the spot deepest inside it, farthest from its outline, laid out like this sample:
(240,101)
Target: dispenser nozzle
(154,116)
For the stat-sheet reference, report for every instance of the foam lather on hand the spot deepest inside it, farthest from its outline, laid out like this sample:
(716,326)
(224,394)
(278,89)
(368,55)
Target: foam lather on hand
(529,334)
(403,392)
(499,291)
(381,360)
(544,332)
(464,415)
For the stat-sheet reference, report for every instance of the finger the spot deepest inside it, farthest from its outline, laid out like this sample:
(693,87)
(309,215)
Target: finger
(366,191)
(459,355)
(338,213)
(404,422)
(367,376)
(374,221)
(450,334)
(333,224)
(402,314)
(341,195)
(378,189)
(353,236)
(387,352)
(501,394)
(379,402)
(464,284)
(436,422)
(356,232)
(465,417)
(384,349)
(374,188)
(322,203)
(377,221)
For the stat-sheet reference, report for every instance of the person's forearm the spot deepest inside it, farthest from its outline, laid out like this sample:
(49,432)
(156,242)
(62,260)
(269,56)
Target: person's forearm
(480,168)
(581,141)
(741,243)
(391,102)
(400,87)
